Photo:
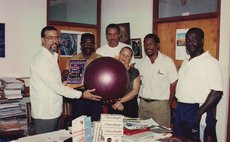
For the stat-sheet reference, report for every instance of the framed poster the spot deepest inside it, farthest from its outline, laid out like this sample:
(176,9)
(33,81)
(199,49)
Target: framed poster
(124,33)
(70,42)
(2,40)
(181,53)
(136,46)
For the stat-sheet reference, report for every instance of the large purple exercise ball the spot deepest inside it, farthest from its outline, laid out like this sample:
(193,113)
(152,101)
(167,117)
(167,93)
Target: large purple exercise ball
(108,76)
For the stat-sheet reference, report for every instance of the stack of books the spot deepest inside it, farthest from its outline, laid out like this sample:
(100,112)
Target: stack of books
(139,137)
(12,116)
(12,88)
(137,130)
(81,129)
(97,131)
(112,127)
(109,128)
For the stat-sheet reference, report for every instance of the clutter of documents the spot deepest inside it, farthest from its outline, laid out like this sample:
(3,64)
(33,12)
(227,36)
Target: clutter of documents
(12,88)
(111,127)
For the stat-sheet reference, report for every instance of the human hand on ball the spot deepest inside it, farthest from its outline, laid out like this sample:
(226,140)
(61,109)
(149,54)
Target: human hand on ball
(88,95)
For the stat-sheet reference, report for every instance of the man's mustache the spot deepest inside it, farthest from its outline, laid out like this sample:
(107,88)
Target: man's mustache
(57,45)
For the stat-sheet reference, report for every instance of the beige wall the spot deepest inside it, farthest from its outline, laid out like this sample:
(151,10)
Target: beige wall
(135,12)
(23,22)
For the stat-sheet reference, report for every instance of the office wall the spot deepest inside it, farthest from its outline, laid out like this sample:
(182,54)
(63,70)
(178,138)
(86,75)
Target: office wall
(135,12)
(139,15)
(23,22)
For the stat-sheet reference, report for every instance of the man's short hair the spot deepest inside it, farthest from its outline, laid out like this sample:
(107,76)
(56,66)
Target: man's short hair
(47,28)
(154,37)
(197,31)
(86,36)
(112,26)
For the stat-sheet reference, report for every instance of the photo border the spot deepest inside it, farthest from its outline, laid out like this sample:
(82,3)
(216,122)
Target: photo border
(139,50)
(2,40)
(124,32)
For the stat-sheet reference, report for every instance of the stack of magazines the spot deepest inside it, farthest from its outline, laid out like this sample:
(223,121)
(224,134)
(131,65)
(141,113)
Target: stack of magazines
(12,88)
(12,115)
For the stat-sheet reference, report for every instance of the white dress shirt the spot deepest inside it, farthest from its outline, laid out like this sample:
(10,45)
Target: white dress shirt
(46,88)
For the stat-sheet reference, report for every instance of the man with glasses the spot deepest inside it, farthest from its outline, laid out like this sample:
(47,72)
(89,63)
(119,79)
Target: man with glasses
(46,88)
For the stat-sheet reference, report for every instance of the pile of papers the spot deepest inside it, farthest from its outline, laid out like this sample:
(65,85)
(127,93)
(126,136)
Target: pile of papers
(109,128)
(11,108)
(112,127)
(12,115)
(133,124)
(56,136)
(12,87)
(144,130)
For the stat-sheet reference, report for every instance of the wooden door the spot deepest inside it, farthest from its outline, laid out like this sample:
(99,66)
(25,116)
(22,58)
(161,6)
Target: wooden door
(167,34)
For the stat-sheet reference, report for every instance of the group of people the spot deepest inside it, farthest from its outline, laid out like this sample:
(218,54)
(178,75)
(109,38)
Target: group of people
(197,85)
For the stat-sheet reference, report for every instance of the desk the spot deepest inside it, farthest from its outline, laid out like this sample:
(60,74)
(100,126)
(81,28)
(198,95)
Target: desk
(182,138)
(11,135)
(65,136)
(56,136)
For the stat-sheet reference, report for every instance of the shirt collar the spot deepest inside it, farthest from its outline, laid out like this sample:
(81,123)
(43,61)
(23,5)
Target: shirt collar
(204,55)
(159,56)
(47,53)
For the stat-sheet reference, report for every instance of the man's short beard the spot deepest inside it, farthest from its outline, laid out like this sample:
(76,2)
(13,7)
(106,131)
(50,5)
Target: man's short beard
(54,47)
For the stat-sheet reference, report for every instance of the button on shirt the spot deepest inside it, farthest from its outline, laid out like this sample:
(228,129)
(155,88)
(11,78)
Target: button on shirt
(46,88)
(157,77)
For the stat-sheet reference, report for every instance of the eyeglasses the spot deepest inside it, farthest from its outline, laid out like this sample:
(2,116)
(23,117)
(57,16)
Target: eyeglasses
(52,37)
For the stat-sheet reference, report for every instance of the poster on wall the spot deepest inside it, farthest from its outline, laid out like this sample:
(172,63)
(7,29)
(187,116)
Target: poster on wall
(70,43)
(136,46)
(2,40)
(181,53)
(124,33)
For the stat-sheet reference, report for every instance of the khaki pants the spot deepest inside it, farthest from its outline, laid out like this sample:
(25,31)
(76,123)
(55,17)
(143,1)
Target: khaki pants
(159,111)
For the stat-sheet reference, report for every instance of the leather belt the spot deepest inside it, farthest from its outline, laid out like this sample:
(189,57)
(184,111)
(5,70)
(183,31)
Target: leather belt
(148,100)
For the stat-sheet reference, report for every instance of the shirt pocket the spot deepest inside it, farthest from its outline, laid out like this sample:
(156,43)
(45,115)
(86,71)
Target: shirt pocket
(161,78)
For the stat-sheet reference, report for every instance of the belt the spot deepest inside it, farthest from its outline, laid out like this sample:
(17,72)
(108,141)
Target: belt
(148,100)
